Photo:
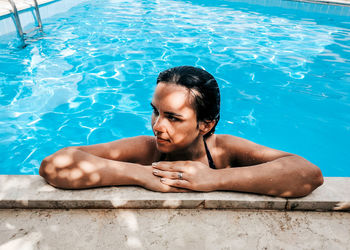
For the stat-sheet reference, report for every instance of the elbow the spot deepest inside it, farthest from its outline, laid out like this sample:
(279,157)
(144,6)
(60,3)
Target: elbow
(316,179)
(310,178)
(41,169)
(313,179)
(49,172)
(45,167)
(55,168)
(309,182)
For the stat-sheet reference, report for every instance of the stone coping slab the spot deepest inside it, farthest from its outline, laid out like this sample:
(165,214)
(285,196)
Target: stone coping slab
(32,192)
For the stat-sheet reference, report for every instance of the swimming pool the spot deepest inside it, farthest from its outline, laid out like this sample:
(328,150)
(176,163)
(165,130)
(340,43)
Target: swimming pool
(284,76)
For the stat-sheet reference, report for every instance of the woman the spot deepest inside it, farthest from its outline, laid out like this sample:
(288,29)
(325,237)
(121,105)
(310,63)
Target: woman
(184,154)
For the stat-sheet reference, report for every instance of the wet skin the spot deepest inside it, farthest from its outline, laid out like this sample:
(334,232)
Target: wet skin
(241,165)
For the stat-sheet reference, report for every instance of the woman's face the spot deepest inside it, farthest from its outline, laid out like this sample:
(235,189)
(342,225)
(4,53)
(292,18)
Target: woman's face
(174,120)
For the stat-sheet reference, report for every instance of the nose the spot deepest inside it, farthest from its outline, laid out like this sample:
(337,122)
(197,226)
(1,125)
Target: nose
(158,125)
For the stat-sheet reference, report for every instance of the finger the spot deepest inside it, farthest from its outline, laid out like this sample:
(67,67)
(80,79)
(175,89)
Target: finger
(170,189)
(168,166)
(167,174)
(176,183)
(178,190)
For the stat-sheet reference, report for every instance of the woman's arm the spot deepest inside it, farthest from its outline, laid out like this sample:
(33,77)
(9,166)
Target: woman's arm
(124,149)
(255,169)
(73,168)
(270,171)
(288,176)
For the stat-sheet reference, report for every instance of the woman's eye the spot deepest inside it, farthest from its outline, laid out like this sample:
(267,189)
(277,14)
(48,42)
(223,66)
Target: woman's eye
(173,119)
(155,111)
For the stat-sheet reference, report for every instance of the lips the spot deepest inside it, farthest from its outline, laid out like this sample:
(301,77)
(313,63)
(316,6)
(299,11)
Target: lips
(162,140)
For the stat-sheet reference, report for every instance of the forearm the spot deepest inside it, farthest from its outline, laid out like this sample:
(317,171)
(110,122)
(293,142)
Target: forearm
(72,168)
(289,176)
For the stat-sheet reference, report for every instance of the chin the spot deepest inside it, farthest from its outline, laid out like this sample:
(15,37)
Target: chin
(163,148)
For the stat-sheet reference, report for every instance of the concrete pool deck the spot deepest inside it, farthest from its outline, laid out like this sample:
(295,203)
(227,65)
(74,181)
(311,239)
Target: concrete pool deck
(36,215)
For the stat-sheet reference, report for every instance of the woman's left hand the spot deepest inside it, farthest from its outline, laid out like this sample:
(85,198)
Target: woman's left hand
(192,175)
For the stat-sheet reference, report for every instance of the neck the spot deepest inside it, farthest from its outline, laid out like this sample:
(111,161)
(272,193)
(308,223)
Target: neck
(193,152)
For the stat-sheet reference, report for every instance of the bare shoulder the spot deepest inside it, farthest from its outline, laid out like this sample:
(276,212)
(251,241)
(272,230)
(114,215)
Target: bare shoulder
(230,145)
(139,149)
(243,152)
(232,142)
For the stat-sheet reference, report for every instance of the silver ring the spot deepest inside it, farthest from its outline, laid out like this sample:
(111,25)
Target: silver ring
(179,175)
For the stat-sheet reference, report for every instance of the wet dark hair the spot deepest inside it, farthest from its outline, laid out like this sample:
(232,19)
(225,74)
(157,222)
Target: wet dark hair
(202,86)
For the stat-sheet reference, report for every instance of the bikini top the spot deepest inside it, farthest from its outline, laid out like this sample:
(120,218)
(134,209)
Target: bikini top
(210,159)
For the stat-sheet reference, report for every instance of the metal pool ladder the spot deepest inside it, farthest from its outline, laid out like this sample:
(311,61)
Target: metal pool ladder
(23,35)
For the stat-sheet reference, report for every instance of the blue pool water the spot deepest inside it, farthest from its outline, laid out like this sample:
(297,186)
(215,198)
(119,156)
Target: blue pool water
(284,76)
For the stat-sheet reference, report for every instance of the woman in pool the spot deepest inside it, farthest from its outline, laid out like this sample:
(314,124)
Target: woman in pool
(185,154)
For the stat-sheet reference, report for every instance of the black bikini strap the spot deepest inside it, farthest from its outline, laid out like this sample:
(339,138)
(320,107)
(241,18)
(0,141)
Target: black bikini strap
(162,157)
(210,159)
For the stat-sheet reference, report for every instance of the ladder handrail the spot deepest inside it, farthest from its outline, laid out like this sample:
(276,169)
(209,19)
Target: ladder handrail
(18,22)
(40,25)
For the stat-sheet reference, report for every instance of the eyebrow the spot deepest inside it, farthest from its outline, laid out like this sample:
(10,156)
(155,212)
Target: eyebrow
(168,112)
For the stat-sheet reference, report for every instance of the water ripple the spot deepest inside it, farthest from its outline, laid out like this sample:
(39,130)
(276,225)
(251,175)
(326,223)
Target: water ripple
(90,78)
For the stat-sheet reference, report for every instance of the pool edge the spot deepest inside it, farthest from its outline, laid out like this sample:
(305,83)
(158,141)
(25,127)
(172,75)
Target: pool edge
(32,192)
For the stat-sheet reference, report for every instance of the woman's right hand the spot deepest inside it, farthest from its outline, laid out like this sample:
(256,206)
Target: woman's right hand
(151,182)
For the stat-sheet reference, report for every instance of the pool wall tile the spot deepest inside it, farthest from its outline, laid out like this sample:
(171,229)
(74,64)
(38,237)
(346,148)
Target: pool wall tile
(330,7)
(50,8)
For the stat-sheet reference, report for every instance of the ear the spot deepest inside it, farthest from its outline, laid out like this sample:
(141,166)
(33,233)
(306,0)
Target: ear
(206,126)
